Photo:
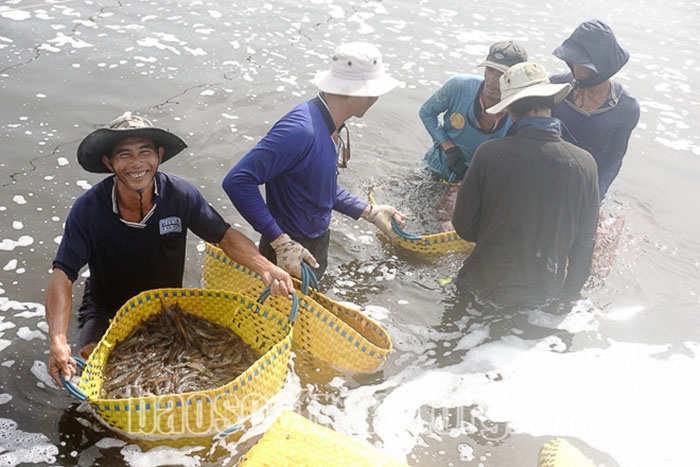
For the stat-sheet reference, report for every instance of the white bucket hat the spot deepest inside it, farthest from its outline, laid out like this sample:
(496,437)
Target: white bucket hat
(356,70)
(527,79)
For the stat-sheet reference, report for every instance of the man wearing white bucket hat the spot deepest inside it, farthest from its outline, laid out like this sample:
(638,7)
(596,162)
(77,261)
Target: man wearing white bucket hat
(529,201)
(131,231)
(297,162)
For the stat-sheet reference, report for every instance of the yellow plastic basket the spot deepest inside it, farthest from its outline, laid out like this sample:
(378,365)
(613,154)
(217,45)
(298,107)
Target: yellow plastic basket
(335,333)
(200,413)
(428,244)
(433,243)
(295,441)
(560,453)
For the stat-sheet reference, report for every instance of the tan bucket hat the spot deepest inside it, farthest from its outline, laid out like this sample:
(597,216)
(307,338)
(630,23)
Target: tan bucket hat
(527,79)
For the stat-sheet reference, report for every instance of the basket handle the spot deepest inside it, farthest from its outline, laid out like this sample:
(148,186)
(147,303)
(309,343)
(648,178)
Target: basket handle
(308,278)
(402,233)
(295,303)
(70,387)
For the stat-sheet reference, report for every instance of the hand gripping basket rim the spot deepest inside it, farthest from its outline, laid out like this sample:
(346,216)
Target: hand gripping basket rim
(331,331)
(200,413)
(428,244)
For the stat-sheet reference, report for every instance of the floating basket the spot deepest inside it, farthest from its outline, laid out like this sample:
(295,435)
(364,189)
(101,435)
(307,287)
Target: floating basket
(295,441)
(335,333)
(560,453)
(433,243)
(426,244)
(200,413)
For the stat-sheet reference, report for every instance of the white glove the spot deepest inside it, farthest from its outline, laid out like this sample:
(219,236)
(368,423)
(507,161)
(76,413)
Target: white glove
(290,254)
(381,215)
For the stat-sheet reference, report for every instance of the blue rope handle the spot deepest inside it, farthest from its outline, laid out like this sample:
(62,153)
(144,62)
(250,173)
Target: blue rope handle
(70,387)
(308,278)
(401,233)
(295,303)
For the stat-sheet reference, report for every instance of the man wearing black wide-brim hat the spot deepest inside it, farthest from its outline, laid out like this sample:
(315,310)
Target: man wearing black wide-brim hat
(131,231)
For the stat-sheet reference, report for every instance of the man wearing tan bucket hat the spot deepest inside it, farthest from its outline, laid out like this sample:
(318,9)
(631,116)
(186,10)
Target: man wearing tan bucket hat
(529,201)
(131,231)
(297,162)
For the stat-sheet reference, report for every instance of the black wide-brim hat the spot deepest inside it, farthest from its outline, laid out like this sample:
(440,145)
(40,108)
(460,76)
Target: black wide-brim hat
(101,141)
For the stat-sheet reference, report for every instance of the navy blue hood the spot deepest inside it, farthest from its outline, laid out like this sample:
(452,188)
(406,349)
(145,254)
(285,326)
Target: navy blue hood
(593,45)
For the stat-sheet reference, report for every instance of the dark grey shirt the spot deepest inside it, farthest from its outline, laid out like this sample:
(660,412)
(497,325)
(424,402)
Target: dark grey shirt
(530,202)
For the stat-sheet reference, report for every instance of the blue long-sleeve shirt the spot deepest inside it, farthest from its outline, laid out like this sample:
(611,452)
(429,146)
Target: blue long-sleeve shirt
(296,161)
(456,100)
(605,133)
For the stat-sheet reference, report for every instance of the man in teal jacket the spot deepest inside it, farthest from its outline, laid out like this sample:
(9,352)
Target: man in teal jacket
(465,125)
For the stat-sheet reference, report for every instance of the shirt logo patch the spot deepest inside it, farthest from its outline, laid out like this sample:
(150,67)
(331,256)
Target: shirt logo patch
(457,121)
(170,225)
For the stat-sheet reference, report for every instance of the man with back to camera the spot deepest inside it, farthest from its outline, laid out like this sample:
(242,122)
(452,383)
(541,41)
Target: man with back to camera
(529,201)
(131,230)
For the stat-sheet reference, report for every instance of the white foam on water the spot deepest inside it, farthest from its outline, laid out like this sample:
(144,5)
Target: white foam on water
(84,184)
(679,144)
(27,334)
(61,39)
(577,320)
(477,334)
(613,398)
(5,398)
(16,15)
(19,199)
(160,455)
(156,43)
(108,443)
(41,372)
(198,52)
(10,266)
(9,245)
(85,22)
(19,447)
(377,313)
(624,313)
(62,161)
(466,452)
(146,59)
(215,14)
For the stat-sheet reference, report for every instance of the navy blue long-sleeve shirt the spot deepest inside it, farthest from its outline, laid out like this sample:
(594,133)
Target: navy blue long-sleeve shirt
(605,132)
(296,161)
